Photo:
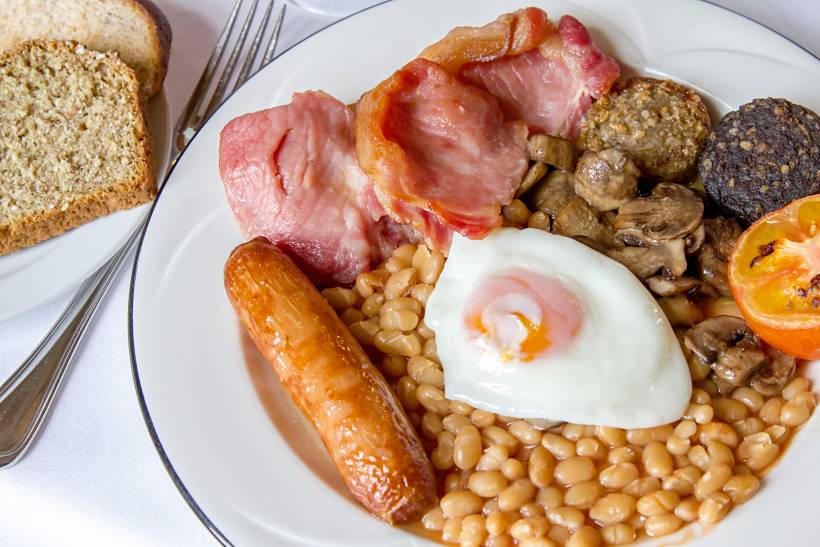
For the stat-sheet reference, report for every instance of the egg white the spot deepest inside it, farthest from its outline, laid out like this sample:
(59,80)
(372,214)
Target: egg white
(624,368)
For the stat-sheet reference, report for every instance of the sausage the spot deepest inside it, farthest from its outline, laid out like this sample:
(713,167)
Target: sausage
(332,381)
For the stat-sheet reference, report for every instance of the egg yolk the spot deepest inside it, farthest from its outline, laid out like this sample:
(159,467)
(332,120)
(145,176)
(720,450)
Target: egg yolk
(521,315)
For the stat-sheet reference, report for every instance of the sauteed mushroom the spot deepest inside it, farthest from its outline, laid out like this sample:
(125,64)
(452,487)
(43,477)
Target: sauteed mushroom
(579,219)
(713,260)
(553,193)
(694,241)
(555,151)
(671,211)
(607,179)
(663,286)
(668,256)
(535,173)
(591,243)
(770,380)
(736,364)
(729,346)
(736,356)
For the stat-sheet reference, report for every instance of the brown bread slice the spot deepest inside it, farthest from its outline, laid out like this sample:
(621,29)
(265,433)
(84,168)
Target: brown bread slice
(74,141)
(136,29)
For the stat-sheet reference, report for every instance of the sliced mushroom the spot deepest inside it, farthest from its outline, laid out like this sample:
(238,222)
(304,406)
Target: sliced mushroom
(694,241)
(671,211)
(609,217)
(673,190)
(713,270)
(555,151)
(663,286)
(579,219)
(729,346)
(535,173)
(607,179)
(724,387)
(698,370)
(770,380)
(591,243)
(668,257)
(736,364)
(713,260)
(553,193)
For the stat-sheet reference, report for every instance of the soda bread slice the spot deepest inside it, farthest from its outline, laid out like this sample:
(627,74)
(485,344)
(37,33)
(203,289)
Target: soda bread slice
(74,142)
(136,29)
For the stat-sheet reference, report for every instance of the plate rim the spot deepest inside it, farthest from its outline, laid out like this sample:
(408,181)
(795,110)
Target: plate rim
(214,530)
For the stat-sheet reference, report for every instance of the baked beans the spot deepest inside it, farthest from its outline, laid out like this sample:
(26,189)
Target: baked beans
(622,454)
(508,481)
(569,517)
(643,485)
(512,469)
(516,495)
(586,536)
(682,481)
(516,213)
(541,467)
(661,525)
(451,530)
(612,437)
(659,502)
(499,522)
(612,509)
(714,507)
(741,487)
(618,534)
(467,448)
(529,528)
(473,531)
(656,460)
(618,475)
(574,470)
(583,495)
(492,458)
(460,504)
(688,509)
(549,497)
(558,446)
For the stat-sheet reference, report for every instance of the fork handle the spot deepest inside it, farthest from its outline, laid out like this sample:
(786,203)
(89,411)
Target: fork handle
(27,396)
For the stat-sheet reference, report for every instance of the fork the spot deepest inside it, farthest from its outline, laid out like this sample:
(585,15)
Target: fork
(27,396)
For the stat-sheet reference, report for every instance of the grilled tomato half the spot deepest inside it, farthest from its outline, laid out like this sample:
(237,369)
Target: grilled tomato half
(774,273)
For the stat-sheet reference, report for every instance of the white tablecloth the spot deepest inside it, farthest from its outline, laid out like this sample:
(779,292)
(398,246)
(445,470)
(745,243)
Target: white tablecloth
(93,476)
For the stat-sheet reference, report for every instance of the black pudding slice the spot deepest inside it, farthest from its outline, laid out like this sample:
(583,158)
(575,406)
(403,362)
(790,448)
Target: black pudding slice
(761,157)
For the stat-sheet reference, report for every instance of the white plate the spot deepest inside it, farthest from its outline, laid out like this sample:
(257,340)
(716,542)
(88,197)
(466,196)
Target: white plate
(237,450)
(38,274)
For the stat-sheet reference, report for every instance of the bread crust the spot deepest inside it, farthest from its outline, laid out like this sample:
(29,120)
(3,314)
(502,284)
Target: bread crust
(162,43)
(150,63)
(140,189)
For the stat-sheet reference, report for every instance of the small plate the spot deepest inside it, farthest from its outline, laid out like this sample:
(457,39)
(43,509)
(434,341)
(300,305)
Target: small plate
(232,441)
(36,275)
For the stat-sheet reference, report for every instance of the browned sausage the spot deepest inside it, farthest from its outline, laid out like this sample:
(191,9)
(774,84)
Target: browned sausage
(332,381)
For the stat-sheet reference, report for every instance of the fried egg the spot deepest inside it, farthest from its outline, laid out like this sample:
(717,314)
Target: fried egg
(530,324)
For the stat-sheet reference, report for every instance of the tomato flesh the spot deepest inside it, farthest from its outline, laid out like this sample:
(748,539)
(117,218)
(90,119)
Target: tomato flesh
(774,272)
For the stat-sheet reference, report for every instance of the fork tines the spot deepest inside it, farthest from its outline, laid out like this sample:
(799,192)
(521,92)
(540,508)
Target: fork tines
(194,116)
